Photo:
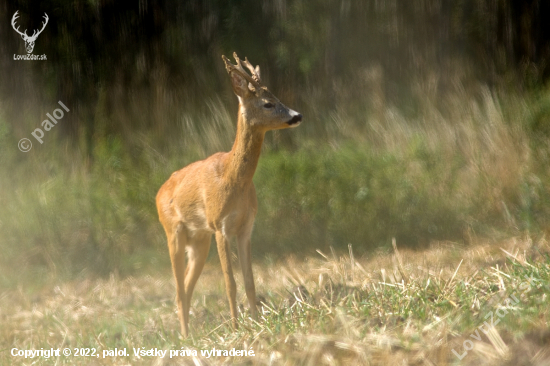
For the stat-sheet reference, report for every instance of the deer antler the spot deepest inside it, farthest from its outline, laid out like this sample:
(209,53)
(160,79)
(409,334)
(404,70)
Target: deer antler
(24,34)
(254,79)
(254,71)
(34,36)
(15,16)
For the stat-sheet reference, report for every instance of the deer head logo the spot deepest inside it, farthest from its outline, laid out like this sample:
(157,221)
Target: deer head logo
(29,41)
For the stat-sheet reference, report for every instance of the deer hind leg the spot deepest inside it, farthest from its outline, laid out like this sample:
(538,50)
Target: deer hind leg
(245,259)
(197,248)
(230,286)
(197,252)
(176,245)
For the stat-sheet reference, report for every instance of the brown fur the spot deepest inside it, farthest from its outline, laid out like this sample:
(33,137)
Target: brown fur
(216,196)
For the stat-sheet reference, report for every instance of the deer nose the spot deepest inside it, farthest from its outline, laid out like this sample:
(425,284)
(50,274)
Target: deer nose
(296,119)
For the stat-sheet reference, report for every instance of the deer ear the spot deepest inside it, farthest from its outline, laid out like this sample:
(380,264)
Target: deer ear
(240,85)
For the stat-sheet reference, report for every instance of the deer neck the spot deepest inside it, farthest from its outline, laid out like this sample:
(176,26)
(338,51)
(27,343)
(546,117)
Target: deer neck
(244,156)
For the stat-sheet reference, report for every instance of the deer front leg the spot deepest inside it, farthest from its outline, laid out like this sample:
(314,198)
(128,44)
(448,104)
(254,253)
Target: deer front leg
(245,259)
(230,286)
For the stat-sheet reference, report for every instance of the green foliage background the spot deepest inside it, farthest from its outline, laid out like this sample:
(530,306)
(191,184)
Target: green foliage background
(424,121)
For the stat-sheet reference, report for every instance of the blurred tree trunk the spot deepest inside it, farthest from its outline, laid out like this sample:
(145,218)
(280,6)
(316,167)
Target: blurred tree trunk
(530,21)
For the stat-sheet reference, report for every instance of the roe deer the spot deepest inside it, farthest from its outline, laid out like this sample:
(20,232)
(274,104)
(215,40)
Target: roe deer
(216,195)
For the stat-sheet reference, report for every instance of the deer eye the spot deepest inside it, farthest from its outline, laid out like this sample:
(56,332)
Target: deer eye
(269,105)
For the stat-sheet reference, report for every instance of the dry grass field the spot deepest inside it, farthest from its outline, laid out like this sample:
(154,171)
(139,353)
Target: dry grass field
(488,302)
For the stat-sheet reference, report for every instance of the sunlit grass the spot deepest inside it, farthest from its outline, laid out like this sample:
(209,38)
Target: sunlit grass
(403,307)
(84,260)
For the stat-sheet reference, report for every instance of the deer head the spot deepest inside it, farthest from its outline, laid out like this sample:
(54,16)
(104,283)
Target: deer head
(29,40)
(260,108)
